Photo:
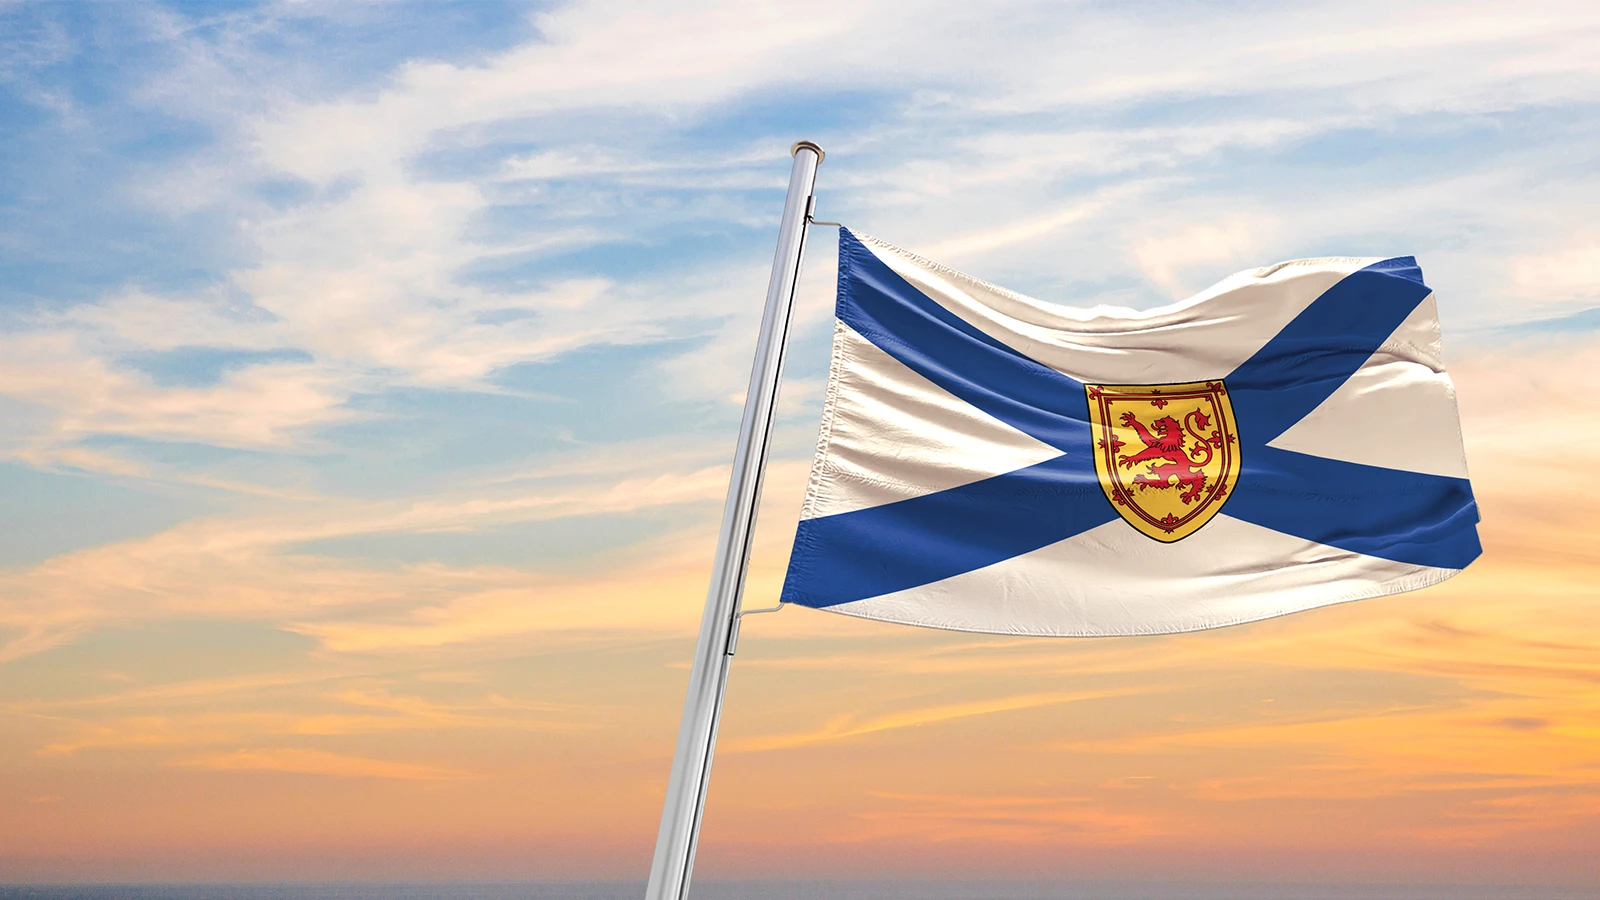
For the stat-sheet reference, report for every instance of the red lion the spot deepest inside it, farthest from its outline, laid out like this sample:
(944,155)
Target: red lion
(1166,444)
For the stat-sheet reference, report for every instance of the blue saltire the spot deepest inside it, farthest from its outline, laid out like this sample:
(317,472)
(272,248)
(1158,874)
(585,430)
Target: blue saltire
(1364,509)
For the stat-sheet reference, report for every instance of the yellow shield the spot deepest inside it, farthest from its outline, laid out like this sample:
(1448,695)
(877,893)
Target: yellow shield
(1167,454)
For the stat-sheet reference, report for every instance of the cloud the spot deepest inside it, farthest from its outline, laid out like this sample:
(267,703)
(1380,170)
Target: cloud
(299,761)
(848,726)
(368,275)
(247,566)
(258,406)
(1011,820)
(1555,282)
(1218,244)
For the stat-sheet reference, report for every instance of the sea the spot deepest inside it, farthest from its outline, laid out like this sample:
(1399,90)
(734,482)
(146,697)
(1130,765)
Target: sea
(798,890)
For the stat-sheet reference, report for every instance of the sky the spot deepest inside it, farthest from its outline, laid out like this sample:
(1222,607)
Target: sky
(370,373)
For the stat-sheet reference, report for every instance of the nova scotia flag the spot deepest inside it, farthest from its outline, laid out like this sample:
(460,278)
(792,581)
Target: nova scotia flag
(988,462)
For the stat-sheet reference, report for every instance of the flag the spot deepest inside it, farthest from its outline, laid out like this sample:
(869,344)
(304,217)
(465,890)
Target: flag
(989,462)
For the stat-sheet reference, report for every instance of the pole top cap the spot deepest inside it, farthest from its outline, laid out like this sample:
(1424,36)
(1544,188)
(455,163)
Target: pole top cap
(795,150)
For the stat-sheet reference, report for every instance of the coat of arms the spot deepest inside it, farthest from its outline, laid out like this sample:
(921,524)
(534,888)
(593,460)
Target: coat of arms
(1167,454)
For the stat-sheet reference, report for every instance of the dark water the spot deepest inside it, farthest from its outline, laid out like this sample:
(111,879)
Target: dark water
(796,890)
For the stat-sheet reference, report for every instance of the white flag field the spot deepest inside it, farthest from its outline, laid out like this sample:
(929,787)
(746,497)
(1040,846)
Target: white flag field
(989,462)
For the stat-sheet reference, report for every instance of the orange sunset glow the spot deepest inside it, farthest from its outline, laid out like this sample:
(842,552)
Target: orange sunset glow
(1447,732)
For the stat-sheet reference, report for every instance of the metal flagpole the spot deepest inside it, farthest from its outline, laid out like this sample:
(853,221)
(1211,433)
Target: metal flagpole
(708,679)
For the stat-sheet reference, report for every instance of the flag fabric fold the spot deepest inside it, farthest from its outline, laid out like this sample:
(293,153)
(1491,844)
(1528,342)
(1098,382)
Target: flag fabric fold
(990,462)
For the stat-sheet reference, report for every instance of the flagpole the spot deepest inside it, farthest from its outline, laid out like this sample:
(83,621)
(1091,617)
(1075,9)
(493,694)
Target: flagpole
(708,679)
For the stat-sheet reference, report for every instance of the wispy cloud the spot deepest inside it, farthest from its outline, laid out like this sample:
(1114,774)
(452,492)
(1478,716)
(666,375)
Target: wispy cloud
(301,761)
(249,566)
(848,726)
(1012,820)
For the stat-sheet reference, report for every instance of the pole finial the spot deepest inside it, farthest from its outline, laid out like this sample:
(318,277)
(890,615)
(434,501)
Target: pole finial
(811,144)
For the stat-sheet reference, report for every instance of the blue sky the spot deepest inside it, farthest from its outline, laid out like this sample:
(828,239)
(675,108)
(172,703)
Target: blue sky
(352,326)
(411,241)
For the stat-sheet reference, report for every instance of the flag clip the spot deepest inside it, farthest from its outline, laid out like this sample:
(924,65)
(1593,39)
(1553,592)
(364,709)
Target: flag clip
(733,633)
